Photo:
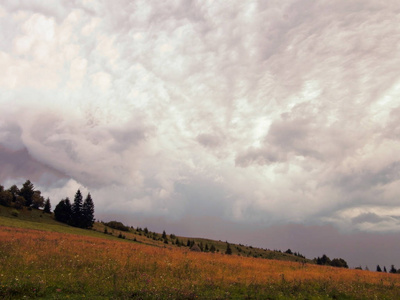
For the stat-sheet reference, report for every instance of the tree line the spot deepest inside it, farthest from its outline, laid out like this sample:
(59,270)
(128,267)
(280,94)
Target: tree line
(326,261)
(26,196)
(79,214)
(392,269)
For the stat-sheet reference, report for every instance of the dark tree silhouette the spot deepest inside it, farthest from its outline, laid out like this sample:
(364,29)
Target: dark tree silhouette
(339,262)
(5,197)
(47,206)
(27,191)
(37,200)
(228,249)
(378,268)
(88,212)
(14,190)
(62,212)
(76,210)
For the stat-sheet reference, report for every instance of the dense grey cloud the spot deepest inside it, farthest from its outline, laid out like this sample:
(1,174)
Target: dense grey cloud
(257,113)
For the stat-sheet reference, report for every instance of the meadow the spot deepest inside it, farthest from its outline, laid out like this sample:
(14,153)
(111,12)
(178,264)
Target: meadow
(36,263)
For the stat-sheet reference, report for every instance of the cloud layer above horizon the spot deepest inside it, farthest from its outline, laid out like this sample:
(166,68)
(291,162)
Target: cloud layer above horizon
(266,112)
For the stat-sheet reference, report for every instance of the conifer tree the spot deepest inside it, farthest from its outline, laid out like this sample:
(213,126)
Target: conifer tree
(76,210)
(88,212)
(378,268)
(27,191)
(47,206)
(228,249)
(393,270)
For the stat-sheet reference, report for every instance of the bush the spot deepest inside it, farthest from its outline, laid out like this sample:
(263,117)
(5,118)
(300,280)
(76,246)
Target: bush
(15,213)
(117,225)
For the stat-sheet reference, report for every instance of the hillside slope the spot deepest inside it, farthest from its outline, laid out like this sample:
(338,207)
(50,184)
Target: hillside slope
(36,219)
(52,261)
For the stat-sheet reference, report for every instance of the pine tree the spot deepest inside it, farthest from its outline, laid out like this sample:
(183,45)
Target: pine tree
(378,268)
(88,212)
(393,270)
(212,249)
(27,191)
(47,206)
(164,235)
(228,249)
(76,210)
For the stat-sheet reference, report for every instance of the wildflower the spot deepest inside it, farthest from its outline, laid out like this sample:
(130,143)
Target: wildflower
(58,290)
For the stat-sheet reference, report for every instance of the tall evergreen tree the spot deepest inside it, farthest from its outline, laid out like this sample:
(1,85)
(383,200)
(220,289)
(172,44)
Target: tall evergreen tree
(228,249)
(76,210)
(378,268)
(47,206)
(27,191)
(88,212)
(393,270)
(62,212)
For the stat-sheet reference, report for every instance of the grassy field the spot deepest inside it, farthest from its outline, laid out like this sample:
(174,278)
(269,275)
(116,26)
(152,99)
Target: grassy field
(51,261)
(36,219)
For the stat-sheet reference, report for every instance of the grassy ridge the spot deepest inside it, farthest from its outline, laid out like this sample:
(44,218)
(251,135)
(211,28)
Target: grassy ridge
(45,264)
(41,258)
(36,219)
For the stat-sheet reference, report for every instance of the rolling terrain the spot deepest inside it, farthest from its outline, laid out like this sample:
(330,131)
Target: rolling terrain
(41,258)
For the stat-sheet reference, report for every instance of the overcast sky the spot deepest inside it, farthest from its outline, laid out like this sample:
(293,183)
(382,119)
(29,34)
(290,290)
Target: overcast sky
(246,120)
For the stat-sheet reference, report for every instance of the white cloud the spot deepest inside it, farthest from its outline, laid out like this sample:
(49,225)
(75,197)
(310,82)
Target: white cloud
(239,110)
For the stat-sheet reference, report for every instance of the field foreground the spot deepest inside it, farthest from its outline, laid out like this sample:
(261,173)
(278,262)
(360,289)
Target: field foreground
(40,264)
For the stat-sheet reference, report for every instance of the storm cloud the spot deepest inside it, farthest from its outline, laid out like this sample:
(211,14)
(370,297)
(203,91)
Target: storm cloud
(261,112)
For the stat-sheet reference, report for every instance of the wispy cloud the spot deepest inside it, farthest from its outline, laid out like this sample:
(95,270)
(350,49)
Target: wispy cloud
(256,112)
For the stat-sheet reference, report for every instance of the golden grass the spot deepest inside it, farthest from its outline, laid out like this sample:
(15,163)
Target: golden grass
(37,263)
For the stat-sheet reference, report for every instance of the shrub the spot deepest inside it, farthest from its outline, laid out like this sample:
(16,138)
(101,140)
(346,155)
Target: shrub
(15,213)
(117,225)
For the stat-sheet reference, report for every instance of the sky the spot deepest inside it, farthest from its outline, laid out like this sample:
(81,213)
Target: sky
(271,123)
